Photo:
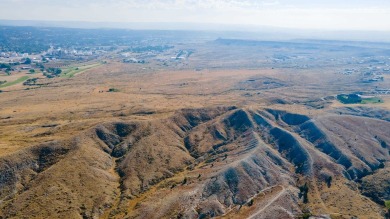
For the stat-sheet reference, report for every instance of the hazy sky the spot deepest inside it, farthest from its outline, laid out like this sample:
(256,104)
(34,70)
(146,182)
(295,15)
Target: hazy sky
(312,14)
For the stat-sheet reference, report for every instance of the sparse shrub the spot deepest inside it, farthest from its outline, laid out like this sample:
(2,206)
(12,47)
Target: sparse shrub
(387,204)
(329,181)
(113,90)
(383,144)
(138,205)
(250,203)
(305,216)
(303,193)
(179,216)
(184,181)
(30,82)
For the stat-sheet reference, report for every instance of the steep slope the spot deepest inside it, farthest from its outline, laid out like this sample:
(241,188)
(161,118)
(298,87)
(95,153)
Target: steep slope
(377,185)
(199,163)
(79,177)
(329,144)
(58,180)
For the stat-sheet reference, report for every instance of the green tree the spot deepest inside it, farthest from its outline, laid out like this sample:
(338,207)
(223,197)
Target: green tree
(27,61)
(53,72)
(4,65)
(58,71)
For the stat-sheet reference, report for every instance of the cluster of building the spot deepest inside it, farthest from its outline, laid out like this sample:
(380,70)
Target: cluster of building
(71,53)
(372,70)
(13,55)
(349,71)
(156,55)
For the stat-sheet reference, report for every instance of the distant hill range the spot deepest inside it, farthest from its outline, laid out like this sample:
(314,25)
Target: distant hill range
(256,32)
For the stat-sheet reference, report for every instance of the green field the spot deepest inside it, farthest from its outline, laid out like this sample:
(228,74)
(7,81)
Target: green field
(371,100)
(19,80)
(356,99)
(71,72)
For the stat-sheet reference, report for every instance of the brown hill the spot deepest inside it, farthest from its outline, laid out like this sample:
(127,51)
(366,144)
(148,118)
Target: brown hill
(209,162)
